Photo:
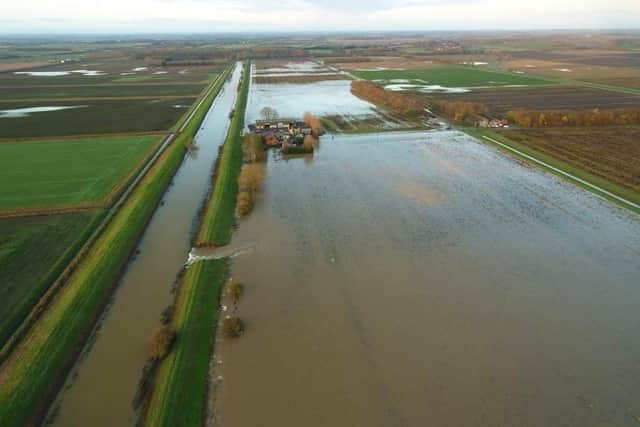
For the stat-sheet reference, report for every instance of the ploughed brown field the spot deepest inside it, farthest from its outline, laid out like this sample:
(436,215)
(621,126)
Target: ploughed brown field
(590,57)
(610,152)
(499,101)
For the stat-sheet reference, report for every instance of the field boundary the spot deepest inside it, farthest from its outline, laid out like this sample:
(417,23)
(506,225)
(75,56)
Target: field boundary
(581,182)
(35,363)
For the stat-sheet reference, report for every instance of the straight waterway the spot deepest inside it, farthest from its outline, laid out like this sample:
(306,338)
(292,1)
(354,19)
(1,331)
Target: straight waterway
(100,389)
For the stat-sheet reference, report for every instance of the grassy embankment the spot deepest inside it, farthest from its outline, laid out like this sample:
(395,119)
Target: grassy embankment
(557,163)
(180,387)
(33,372)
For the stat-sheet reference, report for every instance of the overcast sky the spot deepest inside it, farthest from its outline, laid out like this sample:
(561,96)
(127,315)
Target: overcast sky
(296,15)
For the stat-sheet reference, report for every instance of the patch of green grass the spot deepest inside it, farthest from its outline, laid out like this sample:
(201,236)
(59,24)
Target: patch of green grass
(180,388)
(33,252)
(36,362)
(219,210)
(453,77)
(56,174)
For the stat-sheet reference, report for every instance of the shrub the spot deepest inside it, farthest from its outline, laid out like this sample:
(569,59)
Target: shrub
(161,341)
(234,291)
(251,177)
(232,326)
(313,122)
(309,142)
(296,149)
(244,204)
(253,148)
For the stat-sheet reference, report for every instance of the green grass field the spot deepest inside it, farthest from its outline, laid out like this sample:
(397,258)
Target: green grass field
(63,173)
(453,77)
(180,387)
(33,252)
(36,361)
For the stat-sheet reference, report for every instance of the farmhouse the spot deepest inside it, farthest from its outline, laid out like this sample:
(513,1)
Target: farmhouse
(278,131)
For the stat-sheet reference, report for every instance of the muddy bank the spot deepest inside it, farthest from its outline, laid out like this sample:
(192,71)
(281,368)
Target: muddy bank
(410,279)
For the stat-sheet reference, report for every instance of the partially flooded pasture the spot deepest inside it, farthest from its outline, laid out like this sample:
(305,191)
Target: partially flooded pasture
(412,279)
(325,98)
(330,99)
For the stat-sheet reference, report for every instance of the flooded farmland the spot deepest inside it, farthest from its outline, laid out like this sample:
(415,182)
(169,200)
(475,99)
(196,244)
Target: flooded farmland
(101,388)
(412,279)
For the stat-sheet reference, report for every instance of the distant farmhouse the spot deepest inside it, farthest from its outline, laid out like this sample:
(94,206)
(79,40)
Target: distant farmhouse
(278,131)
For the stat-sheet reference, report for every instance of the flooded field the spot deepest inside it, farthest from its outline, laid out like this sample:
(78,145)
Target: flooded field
(326,98)
(330,99)
(413,279)
(24,112)
(100,390)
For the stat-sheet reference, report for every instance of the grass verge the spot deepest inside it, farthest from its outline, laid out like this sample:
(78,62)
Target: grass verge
(559,164)
(180,387)
(34,371)
(179,394)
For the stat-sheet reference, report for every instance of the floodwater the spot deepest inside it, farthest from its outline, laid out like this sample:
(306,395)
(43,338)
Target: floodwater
(325,98)
(60,73)
(425,279)
(24,112)
(100,390)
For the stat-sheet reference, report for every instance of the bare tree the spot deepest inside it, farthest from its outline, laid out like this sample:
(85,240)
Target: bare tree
(269,113)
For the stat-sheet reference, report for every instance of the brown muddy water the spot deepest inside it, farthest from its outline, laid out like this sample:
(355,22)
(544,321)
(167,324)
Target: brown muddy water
(100,389)
(424,279)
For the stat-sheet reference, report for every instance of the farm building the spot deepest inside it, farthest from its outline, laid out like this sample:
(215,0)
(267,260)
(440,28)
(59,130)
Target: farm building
(277,131)
(493,123)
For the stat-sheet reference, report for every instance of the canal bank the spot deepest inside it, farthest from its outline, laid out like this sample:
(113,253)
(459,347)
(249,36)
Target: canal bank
(100,389)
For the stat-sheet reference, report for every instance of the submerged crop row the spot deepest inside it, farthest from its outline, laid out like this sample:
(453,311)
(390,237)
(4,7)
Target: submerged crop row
(35,369)
(180,387)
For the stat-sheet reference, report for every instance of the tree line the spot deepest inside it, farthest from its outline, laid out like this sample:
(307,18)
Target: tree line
(461,110)
(395,101)
(596,117)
